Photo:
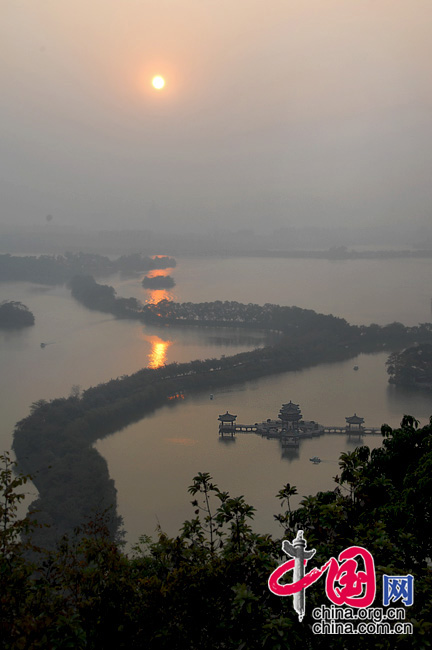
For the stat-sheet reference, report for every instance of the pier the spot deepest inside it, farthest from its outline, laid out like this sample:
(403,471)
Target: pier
(290,428)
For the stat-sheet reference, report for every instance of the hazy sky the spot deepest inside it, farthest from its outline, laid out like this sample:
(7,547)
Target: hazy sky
(275,112)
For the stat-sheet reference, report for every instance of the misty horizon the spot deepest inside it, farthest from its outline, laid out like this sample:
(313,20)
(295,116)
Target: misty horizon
(274,115)
(52,238)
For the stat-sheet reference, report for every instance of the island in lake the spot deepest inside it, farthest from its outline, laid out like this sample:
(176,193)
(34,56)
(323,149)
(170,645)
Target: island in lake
(158,282)
(412,366)
(14,315)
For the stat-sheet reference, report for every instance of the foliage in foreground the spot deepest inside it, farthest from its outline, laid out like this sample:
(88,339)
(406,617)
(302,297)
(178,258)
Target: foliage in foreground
(207,587)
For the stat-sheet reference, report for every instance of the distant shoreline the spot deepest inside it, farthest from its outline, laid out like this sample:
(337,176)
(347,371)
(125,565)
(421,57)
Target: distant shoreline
(339,254)
(329,254)
(113,244)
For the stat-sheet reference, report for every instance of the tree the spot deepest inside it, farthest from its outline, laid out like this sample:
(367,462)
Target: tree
(15,569)
(14,314)
(284,496)
(206,588)
(202,484)
(11,528)
(412,366)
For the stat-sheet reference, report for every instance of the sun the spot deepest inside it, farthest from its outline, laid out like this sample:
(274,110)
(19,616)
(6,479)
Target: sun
(158,82)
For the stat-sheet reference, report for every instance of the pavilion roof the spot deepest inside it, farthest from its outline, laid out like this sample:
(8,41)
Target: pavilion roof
(227,417)
(291,404)
(355,419)
(290,407)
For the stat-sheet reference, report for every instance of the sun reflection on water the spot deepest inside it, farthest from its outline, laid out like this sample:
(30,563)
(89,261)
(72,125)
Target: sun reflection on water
(158,352)
(186,442)
(156,295)
(155,272)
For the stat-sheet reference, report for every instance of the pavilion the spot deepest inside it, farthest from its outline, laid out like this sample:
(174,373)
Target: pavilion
(227,423)
(355,421)
(290,415)
(354,424)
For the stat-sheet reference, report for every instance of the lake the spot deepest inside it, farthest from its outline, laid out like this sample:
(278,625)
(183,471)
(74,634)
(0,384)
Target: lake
(154,461)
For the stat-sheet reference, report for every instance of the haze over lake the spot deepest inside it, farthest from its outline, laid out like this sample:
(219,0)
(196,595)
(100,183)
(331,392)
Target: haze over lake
(153,461)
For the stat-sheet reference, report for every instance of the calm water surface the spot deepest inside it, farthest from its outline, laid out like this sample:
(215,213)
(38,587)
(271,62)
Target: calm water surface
(154,461)
(86,348)
(361,291)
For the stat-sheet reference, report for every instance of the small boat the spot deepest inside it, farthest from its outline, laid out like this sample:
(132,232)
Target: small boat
(355,368)
(315,460)
(43,345)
